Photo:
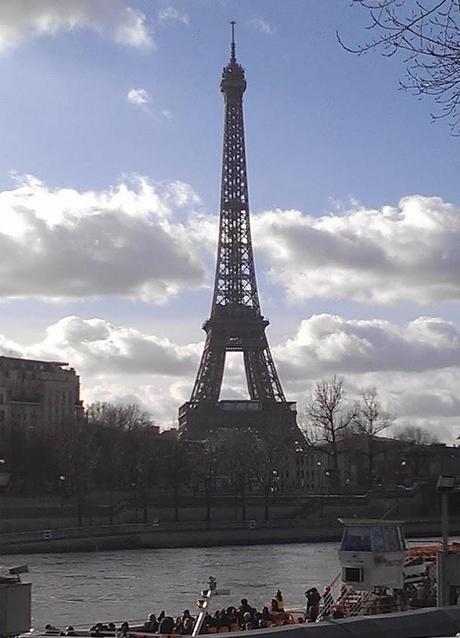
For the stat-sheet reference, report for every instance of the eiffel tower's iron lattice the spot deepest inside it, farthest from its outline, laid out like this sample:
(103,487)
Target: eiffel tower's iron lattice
(236,322)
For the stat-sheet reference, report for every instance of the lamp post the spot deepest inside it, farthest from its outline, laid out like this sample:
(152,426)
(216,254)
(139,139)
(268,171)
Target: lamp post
(61,484)
(327,474)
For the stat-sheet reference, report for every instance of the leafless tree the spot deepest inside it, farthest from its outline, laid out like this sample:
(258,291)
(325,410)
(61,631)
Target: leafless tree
(240,447)
(119,445)
(370,420)
(270,459)
(330,418)
(415,440)
(75,449)
(427,32)
(175,468)
(149,455)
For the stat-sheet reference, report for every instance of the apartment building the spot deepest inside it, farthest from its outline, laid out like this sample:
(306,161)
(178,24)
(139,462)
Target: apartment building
(37,394)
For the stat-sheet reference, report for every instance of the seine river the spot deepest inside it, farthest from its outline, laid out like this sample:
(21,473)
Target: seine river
(83,588)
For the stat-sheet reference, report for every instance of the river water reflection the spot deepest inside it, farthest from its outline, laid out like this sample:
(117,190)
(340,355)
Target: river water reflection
(83,588)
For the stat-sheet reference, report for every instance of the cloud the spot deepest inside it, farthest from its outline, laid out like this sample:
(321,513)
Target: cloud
(101,348)
(390,255)
(117,363)
(21,19)
(170,14)
(139,97)
(260,25)
(329,344)
(415,367)
(65,243)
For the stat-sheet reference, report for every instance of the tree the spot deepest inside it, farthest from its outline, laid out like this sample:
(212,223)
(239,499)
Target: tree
(205,462)
(270,456)
(329,419)
(176,469)
(148,462)
(427,32)
(240,447)
(76,450)
(370,419)
(415,434)
(416,452)
(116,431)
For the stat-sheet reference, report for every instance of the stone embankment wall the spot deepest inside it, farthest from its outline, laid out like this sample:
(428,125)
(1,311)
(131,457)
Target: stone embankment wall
(166,535)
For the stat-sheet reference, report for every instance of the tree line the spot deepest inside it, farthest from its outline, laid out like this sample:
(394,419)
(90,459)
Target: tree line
(118,448)
(337,426)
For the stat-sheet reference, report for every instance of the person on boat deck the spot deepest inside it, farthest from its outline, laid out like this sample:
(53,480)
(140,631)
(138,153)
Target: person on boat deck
(207,622)
(166,625)
(123,630)
(243,609)
(231,616)
(188,626)
(178,626)
(266,615)
(248,621)
(151,624)
(51,629)
(279,598)
(274,606)
(313,597)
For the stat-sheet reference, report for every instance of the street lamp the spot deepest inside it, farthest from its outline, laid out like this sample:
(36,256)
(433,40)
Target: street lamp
(62,479)
(275,481)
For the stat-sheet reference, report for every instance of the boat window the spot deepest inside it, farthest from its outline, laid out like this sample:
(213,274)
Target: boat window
(378,540)
(356,539)
(392,540)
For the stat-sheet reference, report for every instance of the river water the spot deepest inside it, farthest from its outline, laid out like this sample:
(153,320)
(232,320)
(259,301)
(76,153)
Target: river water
(83,588)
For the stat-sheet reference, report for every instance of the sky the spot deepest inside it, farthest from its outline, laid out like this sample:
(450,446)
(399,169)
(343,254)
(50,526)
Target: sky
(111,125)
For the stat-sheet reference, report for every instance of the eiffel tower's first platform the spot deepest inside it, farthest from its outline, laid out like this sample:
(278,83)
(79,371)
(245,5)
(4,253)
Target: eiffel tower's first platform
(236,322)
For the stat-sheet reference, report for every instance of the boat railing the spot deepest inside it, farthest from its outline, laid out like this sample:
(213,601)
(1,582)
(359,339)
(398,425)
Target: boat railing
(354,602)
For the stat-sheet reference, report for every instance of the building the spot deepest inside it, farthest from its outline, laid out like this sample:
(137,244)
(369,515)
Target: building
(37,394)
(308,471)
(392,462)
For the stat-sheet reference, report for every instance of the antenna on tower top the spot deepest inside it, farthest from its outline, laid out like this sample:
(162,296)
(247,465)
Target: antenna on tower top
(233,55)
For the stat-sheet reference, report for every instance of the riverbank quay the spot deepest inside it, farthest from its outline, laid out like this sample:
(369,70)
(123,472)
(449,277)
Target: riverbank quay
(158,535)
(40,512)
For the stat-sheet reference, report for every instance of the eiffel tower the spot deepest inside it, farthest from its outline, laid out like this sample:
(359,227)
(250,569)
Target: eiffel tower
(236,323)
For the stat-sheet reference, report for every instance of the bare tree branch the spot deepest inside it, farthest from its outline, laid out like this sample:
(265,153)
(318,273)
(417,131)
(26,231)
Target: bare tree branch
(428,34)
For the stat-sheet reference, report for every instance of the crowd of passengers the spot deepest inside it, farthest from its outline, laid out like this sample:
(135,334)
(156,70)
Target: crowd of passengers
(242,618)
(232,618)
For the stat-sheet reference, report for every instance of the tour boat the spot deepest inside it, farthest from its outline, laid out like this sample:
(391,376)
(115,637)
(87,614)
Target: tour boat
(381,581)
